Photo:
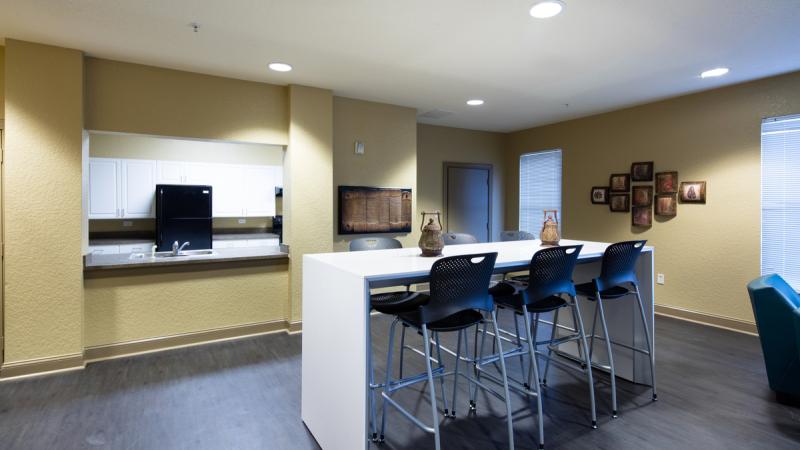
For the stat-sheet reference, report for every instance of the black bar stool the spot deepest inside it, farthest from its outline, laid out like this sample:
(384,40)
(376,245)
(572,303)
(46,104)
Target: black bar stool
(459,299)
(617,271)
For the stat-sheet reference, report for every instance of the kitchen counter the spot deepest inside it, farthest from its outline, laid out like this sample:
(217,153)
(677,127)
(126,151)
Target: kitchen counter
(222,255)
(215,237)
(242,236)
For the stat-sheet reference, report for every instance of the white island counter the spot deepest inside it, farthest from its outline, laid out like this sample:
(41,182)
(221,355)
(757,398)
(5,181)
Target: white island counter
(336,318)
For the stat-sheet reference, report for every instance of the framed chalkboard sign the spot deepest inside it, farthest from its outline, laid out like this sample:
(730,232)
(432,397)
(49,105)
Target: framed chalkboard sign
(367,210)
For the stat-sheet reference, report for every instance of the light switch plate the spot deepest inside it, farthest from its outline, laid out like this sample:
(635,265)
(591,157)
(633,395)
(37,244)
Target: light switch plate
(359,147)
(242,221)
(660,278)
(127,223)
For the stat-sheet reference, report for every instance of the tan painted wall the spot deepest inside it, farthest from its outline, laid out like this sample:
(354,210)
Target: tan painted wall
(133,98)
(308,182)
(42,212)
(435,145)
(105,145)
(141,304)
(2,81)
(708,252)
(389,134)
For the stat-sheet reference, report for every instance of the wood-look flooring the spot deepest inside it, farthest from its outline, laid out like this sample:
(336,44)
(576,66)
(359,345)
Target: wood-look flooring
(245,394)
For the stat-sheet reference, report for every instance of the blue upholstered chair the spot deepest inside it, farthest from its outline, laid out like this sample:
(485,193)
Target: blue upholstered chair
(776,307)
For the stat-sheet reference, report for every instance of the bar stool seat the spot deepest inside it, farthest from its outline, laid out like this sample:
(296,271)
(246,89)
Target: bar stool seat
(587,290)
(397,302)
(508,294)
(457,321)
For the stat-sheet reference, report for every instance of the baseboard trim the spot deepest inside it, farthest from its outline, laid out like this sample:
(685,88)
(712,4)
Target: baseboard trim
(143,346)
(42,366)
(713,320)
(294,327)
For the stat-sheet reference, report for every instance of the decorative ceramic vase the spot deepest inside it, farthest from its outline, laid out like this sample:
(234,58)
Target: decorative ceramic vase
(431,242)
(549,234)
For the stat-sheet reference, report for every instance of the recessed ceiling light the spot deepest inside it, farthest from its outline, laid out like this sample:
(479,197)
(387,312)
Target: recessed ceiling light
(718,72)
(475,102)
(547,9)
(280,67)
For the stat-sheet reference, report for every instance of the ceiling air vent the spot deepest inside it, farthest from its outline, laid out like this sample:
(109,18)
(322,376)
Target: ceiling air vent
(435,114)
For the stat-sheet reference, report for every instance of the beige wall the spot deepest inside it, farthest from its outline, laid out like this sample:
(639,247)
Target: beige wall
(133,98)
(708,252)
(42,213)
(389,134)
(143,304)
(436,145)
(105,145)
(2,81)
(308,183)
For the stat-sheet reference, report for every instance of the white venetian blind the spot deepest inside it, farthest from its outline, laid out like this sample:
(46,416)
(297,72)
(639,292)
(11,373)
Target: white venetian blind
(780,198)
(539,188)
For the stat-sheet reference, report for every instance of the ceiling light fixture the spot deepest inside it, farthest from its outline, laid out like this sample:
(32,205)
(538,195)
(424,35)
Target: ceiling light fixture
(280,67)
(475,102)
(718,72)
(547,9)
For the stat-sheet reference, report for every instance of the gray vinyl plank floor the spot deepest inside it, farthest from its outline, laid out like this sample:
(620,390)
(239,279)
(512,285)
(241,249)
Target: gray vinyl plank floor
(245,394)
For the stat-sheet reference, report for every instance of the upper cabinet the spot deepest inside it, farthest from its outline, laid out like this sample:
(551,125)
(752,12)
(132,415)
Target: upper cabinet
(125,188)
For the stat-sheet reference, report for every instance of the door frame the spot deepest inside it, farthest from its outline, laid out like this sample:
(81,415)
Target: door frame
(446,165)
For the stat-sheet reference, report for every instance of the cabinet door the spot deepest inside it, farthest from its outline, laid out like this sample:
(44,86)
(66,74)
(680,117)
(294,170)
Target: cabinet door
(104,196)
(104,249)
(199,173)
(136,248)
(277,174)
(138,188)
(259,191)
(169,172)
(228,194)
(270,242)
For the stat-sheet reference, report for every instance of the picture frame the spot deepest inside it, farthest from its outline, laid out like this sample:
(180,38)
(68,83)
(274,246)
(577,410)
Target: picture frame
(619,182)
(619,202)
(667,182)
(369,210)
(642,171)
(693,192)
(642,216)
(642,195)
(599,195)
(666,205)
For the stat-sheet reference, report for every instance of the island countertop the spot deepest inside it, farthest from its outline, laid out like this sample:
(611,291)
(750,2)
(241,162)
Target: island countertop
(221,255)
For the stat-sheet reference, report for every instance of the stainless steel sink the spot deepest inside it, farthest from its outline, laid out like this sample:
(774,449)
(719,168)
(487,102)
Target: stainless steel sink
(182,254)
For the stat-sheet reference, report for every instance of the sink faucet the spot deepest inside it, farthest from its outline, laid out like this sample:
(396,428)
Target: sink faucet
(177,249)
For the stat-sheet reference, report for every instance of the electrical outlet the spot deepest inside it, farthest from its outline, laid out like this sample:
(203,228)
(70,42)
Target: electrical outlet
(127,223)
(242,221)
(660,278)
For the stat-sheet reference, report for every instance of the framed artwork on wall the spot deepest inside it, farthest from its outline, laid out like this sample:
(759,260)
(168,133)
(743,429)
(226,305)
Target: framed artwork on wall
(600,195)
(619,202)
(642,171)
(667,205)
(642,216)
(642,195)
(666,182)
(693,192)
(620,182)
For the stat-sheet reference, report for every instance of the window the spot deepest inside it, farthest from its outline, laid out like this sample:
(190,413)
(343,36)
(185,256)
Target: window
(539,188)
(780,198)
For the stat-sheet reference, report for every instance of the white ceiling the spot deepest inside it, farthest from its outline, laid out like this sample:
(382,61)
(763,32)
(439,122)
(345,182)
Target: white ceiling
(597,56)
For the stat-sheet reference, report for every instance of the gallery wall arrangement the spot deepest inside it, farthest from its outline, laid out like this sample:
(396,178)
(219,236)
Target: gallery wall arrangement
(645,200)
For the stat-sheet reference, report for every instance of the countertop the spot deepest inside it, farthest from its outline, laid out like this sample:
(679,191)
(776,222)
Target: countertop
(215,237)
(124,261)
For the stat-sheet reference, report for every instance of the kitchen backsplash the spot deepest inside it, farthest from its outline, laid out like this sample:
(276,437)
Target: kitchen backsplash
(149,225)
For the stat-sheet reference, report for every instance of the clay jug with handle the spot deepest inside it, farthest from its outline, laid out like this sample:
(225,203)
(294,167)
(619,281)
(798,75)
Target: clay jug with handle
(431,242)
(549,234)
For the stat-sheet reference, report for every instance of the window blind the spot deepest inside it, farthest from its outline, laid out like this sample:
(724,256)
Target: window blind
(780,198)
(539,188)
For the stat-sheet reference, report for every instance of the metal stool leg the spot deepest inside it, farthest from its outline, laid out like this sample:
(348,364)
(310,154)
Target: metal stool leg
(603,322)
(431,387)
(535,366)
(591,337)
(506,394)
(441,379)
(372,409)
(650,347)
(402,350)
(519,343)
(587,359)
(474,393)
(456,373)
(533,343)
(388,375)
(549,349)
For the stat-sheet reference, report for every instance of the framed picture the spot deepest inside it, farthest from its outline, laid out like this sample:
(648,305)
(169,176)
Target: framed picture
(666,182)
(364,210)
(600,195)
(693,192)
(642,171)
(620,182)
(619,202)
(642,195)
(642,216)
(667,205)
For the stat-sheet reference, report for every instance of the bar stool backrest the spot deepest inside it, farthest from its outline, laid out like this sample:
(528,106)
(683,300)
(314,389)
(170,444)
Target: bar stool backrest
(459,238)
(506,236)
(374,243)
(619,265)
(551,273)
(459,283)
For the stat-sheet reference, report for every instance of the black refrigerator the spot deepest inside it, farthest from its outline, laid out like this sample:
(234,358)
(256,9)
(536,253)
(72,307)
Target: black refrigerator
(183,214)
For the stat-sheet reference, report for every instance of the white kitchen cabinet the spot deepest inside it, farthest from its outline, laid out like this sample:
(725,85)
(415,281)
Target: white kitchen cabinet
(138,188)
(228,189)
(104,188)
(200,173)
(258,191)
(170,172)
(104,249)
(263,242)
(277,174)
(243,243)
